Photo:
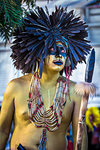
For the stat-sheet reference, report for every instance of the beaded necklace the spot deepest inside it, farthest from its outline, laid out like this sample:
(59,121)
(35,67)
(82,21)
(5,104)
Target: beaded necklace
(48,119)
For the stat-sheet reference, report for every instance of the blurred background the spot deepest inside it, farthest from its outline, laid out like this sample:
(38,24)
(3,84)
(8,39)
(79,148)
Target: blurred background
(89,10)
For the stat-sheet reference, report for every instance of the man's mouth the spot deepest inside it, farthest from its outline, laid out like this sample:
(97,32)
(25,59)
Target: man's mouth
(59,63)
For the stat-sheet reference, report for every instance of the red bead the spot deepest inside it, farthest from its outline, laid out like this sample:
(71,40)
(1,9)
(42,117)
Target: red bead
(29,105)
(29,95)
(60,113)
(58,125)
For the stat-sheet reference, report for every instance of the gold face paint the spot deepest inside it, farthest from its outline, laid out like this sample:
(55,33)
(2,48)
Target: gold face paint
(55,63)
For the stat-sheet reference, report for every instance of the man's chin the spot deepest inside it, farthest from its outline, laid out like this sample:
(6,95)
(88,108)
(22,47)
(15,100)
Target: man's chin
(57,68)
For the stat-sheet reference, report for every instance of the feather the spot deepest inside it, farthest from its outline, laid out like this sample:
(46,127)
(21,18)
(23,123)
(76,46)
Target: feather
(81,43)
(77,50)
(31,42)
(73,52)
(85,87)
(90,67)
(50,43)
(41,66)
(23,50)
(72,64)
(42,22)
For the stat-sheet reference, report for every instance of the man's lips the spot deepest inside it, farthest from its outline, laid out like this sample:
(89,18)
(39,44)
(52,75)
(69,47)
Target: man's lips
(59,63)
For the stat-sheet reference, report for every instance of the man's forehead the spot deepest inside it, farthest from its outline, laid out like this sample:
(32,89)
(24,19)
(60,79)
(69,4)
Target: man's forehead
(59,44)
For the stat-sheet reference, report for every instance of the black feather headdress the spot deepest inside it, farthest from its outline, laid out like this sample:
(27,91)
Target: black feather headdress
(41,31)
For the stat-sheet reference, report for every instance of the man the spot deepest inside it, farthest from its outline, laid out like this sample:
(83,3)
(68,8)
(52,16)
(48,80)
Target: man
(43,113)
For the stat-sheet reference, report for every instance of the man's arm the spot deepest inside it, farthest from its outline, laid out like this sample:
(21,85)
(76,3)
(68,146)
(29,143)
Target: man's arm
(75,119)
(6,114)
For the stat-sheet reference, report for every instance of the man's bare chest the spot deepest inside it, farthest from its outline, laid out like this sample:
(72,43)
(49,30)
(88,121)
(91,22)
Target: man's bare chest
(49,98)
(22,112)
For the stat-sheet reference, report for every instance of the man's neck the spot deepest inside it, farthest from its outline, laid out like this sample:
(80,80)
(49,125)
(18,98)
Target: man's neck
(49,79)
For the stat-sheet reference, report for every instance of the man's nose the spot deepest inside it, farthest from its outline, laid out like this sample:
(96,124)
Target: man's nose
(58,56)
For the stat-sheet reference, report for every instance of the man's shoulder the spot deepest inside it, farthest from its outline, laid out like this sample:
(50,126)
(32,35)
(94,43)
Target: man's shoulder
(72,87)
(21,80)
(71,84)
(19,83)
(74,96)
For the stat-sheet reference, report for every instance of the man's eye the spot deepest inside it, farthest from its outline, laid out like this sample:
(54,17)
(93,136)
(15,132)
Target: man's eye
(52,49)
(63,51)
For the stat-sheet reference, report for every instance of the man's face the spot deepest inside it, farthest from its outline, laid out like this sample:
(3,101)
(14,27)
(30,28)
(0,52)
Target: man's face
(54,61)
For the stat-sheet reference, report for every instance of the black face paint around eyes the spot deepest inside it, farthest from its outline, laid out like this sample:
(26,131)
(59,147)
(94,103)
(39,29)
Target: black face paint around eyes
(59,51)
(54,53)
(63,54)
